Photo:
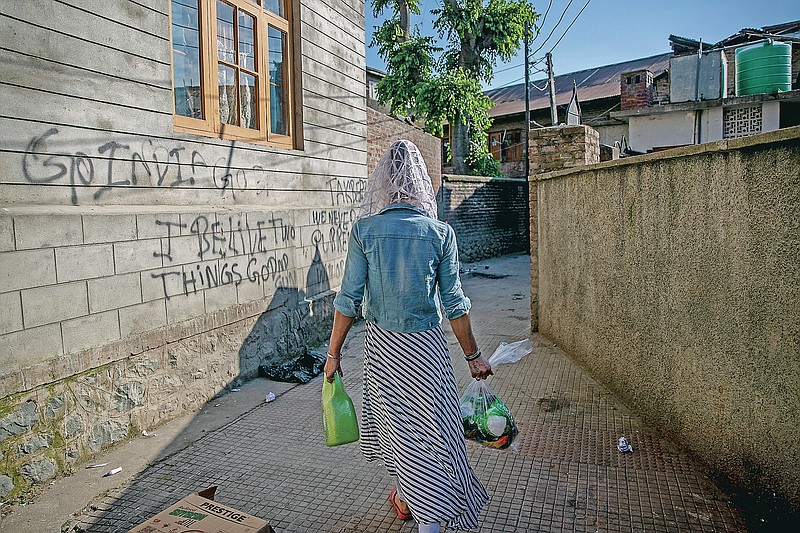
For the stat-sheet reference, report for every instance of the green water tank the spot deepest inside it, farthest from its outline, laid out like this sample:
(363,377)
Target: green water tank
(763,68)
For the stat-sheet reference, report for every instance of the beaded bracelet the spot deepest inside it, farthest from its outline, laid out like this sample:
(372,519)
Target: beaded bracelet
(334,356)
(474,356)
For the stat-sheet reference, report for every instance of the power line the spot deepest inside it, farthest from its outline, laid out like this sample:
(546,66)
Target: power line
(518,66)
(570,25)
(509,84)
(538,31)
(515,82)
(544,18)
(507,69)
(554,28)
(543,58)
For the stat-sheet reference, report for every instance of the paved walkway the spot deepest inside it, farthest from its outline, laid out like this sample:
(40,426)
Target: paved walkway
(269,459)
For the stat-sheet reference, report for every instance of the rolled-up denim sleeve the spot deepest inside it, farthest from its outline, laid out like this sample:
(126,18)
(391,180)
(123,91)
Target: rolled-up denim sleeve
(348,300)
(454,301)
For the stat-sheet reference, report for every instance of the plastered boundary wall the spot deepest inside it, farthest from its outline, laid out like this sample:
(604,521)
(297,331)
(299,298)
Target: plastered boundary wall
(144,270)
(673,278)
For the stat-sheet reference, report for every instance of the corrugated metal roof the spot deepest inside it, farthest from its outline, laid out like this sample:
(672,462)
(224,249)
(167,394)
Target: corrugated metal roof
(593,84)
(684,45)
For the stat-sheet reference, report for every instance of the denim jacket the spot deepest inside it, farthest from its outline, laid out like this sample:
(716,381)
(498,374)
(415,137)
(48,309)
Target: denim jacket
(396,261)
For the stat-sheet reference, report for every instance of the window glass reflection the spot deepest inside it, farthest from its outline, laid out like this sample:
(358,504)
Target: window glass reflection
(277,71)
(186,74)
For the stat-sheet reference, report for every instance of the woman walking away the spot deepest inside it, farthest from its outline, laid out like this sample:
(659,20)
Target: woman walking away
(401,264)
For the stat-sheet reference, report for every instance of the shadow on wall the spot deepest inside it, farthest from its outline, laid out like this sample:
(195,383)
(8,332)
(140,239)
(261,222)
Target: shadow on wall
(489,215)
(293,323)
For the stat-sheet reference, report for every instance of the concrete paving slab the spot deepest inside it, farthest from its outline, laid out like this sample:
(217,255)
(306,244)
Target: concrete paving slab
(270,460)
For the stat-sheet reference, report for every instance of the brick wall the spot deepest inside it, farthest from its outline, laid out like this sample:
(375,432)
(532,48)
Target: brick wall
(661,90)
(562,147)
(489,215)
(383,130)
(636,89)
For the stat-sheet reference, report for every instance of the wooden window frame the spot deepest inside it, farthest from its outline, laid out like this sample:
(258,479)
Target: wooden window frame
(495,145)
(211,125)
(512,153)
(504,151)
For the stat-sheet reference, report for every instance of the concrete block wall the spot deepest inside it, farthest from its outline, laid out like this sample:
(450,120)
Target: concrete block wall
(489,215)
(672,277)
(144,270)
(72,292)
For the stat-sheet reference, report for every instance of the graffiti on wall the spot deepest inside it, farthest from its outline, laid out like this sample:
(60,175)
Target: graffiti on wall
(226,250)
(151,163)
(252,250)
(112,165)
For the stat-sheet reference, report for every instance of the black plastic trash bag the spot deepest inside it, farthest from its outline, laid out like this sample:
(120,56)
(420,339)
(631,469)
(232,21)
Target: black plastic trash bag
(300,370)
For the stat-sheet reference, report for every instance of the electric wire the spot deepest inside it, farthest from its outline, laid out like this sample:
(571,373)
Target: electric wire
(538,31)
(552,31)
(537,61)
(570,25)
(544,17)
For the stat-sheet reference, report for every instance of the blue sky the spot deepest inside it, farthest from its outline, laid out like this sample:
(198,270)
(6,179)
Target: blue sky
(613,31)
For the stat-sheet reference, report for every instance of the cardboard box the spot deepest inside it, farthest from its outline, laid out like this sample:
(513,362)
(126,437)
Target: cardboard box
(199,513)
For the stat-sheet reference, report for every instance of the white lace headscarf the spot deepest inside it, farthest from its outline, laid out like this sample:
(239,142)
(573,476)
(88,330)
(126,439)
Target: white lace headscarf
(399,177)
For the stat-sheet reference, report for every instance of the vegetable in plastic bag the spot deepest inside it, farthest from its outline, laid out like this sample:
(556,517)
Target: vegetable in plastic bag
(486,418)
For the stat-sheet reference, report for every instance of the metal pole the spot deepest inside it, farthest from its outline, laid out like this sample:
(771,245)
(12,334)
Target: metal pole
(527,103)
(552,85)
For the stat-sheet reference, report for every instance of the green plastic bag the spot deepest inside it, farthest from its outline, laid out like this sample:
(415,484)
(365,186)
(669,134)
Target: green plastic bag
(338,414)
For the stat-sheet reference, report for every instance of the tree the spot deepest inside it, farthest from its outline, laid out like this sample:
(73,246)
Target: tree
(449,89)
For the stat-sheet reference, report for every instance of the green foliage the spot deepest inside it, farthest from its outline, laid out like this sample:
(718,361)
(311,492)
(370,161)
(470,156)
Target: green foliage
(409,64)
(490,32)
(481,163)
(386,37)
(379,5)
(454,95)
(449,90)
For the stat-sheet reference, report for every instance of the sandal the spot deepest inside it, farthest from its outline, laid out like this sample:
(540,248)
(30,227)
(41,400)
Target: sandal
(400,514)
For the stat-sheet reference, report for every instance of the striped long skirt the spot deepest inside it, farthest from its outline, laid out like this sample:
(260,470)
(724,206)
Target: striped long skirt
(411,421)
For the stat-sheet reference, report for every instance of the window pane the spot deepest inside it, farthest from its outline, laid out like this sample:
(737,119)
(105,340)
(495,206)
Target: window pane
(228,106)
(187,89)
(247,34)
(247,86)
(225,40)
(276,6)
(277,75)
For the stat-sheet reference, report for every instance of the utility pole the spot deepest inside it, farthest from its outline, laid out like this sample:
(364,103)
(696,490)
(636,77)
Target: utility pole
(552,85)
(527,104)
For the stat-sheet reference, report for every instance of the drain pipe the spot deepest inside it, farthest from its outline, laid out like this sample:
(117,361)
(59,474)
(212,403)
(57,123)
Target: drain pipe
(698,112)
